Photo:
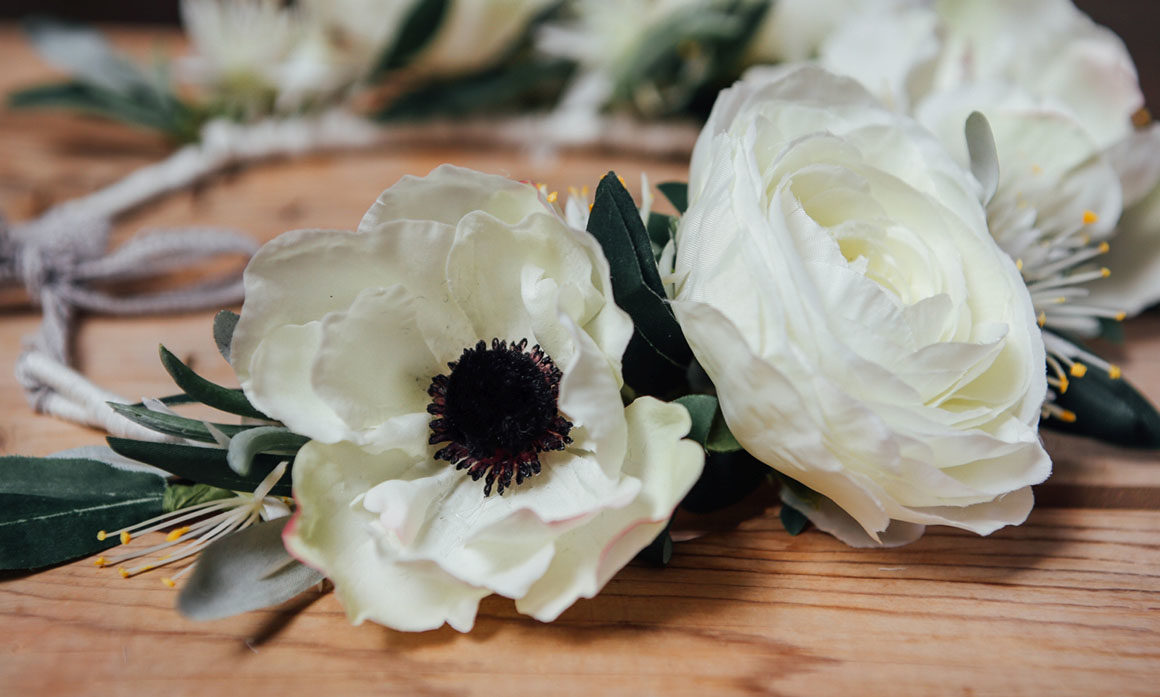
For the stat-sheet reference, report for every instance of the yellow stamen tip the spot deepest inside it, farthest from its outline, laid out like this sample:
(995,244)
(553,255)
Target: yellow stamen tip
(1064,383)
(1067,416)
(553,196)
(102,535)
(1120,316)
(590,205)
(1090,217)
(100,561)
(125,537)
(1105,272)
(124,572)
(621,180)
(1019,264)
(1042,318)
(1104,247)
(1114,372)
(1036,169)
(169,582)
(175,535)
(1078,370)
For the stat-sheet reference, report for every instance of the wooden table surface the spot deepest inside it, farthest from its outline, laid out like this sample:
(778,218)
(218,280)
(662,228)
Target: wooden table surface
(1067,604)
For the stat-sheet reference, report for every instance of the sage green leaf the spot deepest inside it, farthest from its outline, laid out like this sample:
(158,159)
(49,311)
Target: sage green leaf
(709,427)
(247,570)
(171,425)
(224,324)
(202,465)
(245,446)
(206,392)
(179,496)
(657,355)
(1108,409)
(983,155)
(418,28)
(52,508)
(727,479)
(794,521)
(701,408)
(84,52)
(677,193)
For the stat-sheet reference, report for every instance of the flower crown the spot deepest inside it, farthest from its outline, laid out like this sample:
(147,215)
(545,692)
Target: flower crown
(873,291)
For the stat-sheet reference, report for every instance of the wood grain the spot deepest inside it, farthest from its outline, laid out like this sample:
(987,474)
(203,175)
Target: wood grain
(1067,604)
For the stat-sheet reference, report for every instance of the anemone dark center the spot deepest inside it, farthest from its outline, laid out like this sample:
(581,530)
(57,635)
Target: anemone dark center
(497,410)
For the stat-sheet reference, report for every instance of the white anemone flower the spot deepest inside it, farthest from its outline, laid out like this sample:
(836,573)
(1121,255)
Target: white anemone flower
(456,361)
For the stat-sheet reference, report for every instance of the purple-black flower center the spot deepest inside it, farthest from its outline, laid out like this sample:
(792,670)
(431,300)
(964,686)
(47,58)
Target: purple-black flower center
(497,410)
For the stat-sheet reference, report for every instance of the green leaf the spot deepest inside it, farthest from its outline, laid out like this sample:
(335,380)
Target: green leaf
(1108,409)
(224,324)
(709,427)
(52,508)
(508,87)
(247,570)
(636,286)
(206,392)
(794,521)
(415,31)
(659,552)
(171,425)
(1112,330)
(201,465)
(166,114)
(677,193)
(245,446)
(660,231)
(728,478)
(179,496)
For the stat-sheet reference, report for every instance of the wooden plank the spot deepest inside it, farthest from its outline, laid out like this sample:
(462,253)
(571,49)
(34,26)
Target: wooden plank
(1065,605)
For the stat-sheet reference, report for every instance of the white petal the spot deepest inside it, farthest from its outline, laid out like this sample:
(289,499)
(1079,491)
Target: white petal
(589,555)
(335,534)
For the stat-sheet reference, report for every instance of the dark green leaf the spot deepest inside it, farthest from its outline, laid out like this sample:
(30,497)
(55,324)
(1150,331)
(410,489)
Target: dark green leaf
(504,88)
(171,425)
(1108,409)
(660,231)
(659,552)
(1112,330)
(709,427)
(247,570)
(224,324)
(52,508)
(416,30)
(206,392)
(677,193)
(265,439)
(636,285)
(793,520)
(728,478)
(202,465)
(179,496)
(162,113)
(702,408)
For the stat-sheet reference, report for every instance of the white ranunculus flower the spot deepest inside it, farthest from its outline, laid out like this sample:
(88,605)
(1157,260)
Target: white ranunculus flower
(792,30)
(464,325)
(867,337)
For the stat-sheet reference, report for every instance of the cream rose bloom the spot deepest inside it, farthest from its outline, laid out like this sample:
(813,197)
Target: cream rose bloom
(383,345)
(867,338)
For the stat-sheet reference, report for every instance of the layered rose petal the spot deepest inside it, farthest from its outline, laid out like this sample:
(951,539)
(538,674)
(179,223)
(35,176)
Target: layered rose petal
(865,334)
